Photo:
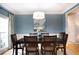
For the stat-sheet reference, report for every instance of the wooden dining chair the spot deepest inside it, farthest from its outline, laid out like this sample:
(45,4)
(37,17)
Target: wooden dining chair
(33,34)
(62,44)
(48,44)
(15,42)
(31,44)
(44,34)
(61,35)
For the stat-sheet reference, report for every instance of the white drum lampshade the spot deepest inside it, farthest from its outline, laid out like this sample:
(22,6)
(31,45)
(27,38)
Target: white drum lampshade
(38,15)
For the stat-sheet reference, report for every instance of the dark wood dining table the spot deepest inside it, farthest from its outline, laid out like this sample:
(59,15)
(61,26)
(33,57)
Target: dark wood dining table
(21,41)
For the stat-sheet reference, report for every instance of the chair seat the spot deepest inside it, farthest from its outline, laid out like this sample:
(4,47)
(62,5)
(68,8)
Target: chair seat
(60,45)
(50,48)
(31,48)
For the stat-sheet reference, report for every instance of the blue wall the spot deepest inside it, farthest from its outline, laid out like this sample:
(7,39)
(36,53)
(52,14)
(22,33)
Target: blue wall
(54,23)
(23,24)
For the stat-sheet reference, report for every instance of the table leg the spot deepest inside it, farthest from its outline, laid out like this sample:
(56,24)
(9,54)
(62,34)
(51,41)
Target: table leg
(16,50)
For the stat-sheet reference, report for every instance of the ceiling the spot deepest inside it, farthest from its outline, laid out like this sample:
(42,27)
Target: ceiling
(29,8)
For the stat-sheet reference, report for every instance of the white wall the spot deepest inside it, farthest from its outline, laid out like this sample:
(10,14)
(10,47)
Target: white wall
(76,17)
(73,28)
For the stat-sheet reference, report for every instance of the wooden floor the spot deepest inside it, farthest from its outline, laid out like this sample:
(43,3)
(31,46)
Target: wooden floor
(9,52)
(74,48)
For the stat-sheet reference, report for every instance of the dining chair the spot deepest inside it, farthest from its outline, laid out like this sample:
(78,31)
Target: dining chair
(48,44)
(61,35)
(15,42)
(33,34)
(31,44)
(44,34)
(62,44)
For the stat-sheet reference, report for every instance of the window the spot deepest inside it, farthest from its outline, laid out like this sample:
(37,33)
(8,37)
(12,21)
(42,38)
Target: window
(3,32)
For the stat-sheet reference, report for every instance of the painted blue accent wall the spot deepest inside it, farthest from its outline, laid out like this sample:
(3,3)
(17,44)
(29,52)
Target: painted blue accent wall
(64,23)
(54,23)
(23,24)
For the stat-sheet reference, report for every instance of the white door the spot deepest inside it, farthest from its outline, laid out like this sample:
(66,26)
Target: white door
(3,33)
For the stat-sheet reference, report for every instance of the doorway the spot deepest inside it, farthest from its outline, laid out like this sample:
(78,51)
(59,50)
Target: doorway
(72,18)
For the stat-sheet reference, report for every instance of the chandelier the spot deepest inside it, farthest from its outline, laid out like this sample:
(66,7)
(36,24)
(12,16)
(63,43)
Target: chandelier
(38,15)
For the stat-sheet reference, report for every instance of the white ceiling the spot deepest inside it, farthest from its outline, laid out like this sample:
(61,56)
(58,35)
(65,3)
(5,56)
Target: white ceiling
(29,8)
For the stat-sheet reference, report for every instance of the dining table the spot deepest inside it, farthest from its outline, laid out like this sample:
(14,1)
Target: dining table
(21,41)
